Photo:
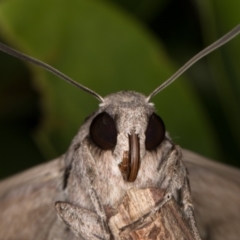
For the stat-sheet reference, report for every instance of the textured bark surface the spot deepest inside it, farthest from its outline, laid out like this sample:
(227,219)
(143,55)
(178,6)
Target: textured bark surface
(137,218)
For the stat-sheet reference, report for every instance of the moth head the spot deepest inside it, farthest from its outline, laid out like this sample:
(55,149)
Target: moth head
(128,126)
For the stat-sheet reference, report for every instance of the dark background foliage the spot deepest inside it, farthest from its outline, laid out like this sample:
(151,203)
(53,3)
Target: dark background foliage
(115,45)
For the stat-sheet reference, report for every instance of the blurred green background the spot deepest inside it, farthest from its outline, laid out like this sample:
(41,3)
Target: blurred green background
(113,45)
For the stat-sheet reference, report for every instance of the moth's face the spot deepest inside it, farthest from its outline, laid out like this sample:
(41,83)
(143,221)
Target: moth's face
(128,126)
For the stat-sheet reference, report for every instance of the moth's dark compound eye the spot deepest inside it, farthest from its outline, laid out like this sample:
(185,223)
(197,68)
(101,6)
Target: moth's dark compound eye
(155,132)
(103,131)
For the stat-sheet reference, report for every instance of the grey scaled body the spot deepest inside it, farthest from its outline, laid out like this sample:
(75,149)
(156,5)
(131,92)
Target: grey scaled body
(89,178)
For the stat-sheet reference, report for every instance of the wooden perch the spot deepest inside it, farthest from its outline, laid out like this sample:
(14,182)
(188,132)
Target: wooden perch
(135,218)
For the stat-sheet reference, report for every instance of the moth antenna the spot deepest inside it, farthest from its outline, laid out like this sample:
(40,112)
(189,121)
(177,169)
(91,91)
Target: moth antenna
(49,68)
(224,39)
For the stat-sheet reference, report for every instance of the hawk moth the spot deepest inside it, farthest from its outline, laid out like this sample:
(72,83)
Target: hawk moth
(122,145)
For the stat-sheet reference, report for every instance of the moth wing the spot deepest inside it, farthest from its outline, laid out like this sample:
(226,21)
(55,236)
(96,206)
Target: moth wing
(27,203)
(215,191)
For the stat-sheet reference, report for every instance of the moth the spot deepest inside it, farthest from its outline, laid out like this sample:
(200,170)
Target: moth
(121,146)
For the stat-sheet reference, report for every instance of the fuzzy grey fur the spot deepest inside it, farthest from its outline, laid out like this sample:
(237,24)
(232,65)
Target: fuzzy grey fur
(91,179)
(95,179)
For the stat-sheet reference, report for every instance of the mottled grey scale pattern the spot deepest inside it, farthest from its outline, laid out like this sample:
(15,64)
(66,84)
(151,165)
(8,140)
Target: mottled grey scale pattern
(99,170)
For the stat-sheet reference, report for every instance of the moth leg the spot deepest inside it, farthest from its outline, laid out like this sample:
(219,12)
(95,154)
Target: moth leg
(176,182)
(90,172)
(84,223)
(82,199)
(189,209)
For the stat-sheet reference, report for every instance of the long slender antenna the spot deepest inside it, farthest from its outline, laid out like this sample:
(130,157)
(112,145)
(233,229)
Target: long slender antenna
(43,65)
(224,39)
